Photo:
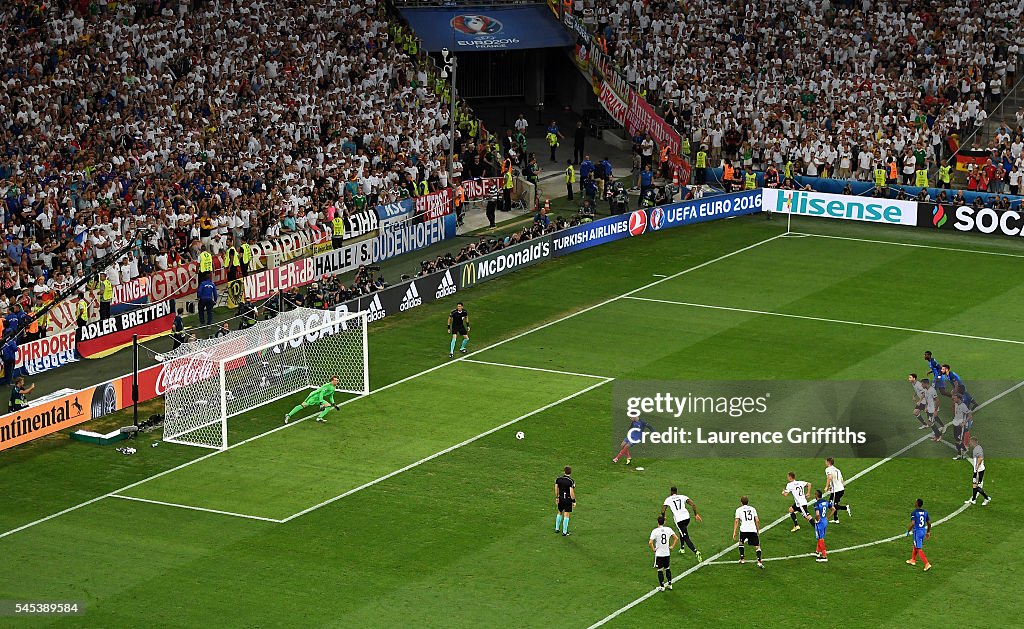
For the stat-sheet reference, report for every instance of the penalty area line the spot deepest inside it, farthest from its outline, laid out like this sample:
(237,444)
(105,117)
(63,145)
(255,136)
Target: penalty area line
(880,326)
(558,371)
(194,508)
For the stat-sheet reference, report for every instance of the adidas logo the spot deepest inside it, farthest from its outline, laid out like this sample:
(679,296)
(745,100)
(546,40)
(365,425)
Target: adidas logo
(411,299)
(447,286)
(375,312)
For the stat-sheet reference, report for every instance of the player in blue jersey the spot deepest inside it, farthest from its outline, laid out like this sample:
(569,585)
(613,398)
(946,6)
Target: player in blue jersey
(936,369)
(957,387)
(921,527)
(822,507)
(634,435)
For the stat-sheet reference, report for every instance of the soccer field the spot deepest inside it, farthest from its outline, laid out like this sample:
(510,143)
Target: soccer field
(416,505)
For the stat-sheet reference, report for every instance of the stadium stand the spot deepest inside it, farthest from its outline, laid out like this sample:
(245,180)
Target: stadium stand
(203,119)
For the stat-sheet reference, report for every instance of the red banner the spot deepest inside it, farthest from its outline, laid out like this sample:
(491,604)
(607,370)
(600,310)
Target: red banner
(435,204)
(182,280)
(102,338)
(266,283)
(615,106)
(481,188)
(643,119)
(639,117)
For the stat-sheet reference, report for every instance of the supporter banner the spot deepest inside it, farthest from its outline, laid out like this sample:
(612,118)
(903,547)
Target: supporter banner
(235,290)
(347,258)
(638,116)
(45,354)
(271,253)
(482,188)
(599,63)
(266,283)
(126,296)
(182,280)
(641,118)
(435,204)
(49,417)
(615,106)
(395,241)
(396,212)
(965,159)
(575,25)
(102,338)
(965,218)
(504,261)
(486,28)
(845,207)
(361,224)
(409,237)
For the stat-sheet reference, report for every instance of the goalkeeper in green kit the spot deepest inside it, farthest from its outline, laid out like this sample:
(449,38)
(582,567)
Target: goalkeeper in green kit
(322,398)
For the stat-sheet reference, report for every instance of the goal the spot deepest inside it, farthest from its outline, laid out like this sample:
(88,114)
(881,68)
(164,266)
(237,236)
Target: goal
(219,378)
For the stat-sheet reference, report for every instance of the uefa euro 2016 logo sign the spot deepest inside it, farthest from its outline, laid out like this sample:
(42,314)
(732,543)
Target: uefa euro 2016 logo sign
(476,25)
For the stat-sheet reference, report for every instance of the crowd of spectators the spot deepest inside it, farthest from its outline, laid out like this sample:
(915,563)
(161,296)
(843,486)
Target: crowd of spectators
(835,86)
(208,122)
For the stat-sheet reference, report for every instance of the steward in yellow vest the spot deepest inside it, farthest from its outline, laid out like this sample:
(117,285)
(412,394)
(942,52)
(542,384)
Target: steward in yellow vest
(338,234)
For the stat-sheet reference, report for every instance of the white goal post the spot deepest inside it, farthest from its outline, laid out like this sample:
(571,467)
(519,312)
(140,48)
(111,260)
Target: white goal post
(222,377)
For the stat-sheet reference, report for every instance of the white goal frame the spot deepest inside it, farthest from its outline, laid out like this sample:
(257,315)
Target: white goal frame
(301,339)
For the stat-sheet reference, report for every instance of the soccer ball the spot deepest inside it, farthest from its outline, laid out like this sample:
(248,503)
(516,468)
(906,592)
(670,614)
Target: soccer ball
(520,435)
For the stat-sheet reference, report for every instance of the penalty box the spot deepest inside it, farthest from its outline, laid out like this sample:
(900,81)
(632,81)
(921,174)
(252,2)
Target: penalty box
(309,465)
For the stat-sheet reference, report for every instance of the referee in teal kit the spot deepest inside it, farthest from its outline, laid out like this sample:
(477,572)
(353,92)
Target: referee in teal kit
(458,325)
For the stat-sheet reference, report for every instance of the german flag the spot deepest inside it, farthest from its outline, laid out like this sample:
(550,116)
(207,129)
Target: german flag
(965,158)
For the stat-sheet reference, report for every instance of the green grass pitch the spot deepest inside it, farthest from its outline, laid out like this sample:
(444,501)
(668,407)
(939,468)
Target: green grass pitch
(417,507)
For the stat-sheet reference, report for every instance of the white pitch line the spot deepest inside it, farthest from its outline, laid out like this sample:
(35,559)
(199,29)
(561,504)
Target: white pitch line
(564,373)
(388,386)
(914,245)
(833,551)
(193,508)
(787,315)
(713,558)
(658,275)
(445,451)
(144,480)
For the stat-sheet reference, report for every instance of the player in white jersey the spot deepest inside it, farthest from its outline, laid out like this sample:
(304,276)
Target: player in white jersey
(834,484)
(931,407)
(681,516)
(799,490)
(919,403)
(749,528)
(962,418)
(662,541)
(978,483)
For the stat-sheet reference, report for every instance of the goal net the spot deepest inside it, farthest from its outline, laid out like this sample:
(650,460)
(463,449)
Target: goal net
(219,378)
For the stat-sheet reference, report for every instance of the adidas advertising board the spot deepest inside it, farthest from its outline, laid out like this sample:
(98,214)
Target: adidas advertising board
(447,286)
(411,299)
(374,310)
